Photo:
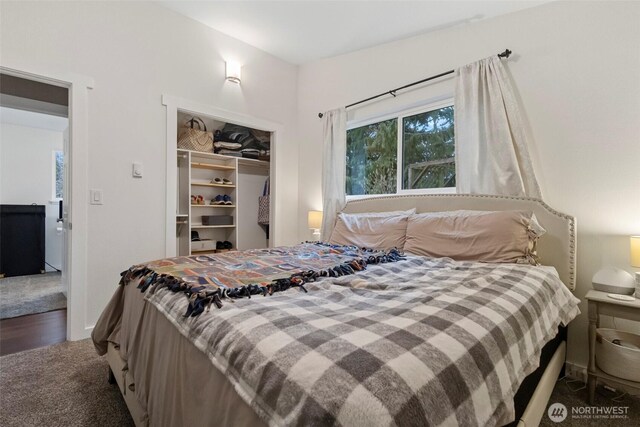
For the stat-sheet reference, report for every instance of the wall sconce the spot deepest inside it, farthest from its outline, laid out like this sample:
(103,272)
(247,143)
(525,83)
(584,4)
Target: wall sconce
(233,71)
(314,220)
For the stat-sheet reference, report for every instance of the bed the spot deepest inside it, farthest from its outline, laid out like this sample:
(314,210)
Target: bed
(344,352)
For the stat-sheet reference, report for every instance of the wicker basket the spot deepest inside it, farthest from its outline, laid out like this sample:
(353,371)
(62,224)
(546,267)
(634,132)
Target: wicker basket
(615,354)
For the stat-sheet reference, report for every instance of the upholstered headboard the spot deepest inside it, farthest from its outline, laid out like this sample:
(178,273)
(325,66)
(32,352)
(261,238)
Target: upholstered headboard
(556,248)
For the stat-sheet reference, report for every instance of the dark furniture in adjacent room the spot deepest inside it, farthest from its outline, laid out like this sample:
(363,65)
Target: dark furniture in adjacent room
(22,245)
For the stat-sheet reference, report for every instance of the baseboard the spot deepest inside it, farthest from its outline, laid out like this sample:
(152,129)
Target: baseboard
(576,371)
(80,335)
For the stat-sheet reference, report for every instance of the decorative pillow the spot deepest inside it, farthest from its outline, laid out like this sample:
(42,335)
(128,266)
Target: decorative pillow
(376,230)
(488,236)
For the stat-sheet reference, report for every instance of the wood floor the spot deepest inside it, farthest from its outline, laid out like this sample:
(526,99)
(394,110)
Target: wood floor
(32,331)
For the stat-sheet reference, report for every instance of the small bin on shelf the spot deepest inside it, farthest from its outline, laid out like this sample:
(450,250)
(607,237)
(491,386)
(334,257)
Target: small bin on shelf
(618,353)
(203,245)
(217,220)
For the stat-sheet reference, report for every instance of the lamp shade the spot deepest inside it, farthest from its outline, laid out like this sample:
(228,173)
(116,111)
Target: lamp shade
(314,219)
(635,251)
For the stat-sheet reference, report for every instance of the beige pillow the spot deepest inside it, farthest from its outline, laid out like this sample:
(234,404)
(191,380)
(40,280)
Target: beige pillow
(375,230)
(488,236)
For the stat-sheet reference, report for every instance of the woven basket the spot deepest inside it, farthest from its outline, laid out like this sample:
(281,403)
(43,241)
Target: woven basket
(615,354)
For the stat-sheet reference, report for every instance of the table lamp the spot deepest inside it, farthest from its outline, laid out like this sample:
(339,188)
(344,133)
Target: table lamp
(314,219)
(635,260)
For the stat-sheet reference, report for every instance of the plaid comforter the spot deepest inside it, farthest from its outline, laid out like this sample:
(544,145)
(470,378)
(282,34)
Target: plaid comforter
(418,342)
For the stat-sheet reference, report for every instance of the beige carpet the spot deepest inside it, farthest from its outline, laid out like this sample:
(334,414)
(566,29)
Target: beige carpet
(39,293)
(573,395)
(66,385)
(61,385)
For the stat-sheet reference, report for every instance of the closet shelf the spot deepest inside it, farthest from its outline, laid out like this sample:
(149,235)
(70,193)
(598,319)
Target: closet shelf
(214,167)
(213,206)
(211,226)
(208,184)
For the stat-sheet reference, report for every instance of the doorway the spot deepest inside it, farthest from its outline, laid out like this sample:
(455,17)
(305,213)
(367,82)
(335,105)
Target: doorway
(34,152)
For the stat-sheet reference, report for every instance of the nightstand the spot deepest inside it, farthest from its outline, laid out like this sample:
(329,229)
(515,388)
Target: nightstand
(601,304)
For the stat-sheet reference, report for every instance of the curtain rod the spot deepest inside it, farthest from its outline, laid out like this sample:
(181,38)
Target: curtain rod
(392,92)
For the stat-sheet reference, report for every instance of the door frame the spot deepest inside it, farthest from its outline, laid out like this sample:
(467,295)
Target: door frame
(77,224)
(173,105)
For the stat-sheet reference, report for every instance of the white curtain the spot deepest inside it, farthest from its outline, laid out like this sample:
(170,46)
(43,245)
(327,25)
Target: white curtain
(491,146)
(334,168)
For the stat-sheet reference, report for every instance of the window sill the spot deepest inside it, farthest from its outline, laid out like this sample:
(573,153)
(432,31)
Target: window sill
(447,190)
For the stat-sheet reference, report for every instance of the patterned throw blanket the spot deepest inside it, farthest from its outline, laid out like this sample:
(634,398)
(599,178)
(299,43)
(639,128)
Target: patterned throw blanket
(207,279)
(419,342)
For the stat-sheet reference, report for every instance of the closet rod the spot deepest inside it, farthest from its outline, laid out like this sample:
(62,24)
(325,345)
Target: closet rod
(392,92)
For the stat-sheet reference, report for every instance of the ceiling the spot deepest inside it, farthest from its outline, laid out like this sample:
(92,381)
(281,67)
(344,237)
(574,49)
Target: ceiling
(12,116)
(304,31)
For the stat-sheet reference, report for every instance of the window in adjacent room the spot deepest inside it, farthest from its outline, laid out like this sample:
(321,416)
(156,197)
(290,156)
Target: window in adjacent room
(58,174)
(412,152)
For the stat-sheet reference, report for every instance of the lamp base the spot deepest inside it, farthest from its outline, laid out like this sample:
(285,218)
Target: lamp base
(316,234)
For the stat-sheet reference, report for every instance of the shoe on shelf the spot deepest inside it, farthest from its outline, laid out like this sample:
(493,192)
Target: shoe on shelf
(226,181)
(216,181)
(199,199)
(227,244)
(227,199)
(219,200)
(194,200)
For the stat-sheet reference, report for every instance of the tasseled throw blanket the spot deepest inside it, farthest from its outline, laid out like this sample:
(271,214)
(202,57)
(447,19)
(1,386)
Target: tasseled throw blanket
(206,280)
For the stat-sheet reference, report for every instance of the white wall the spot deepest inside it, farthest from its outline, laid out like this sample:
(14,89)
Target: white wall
(576,67)
(26,176)
(135,52)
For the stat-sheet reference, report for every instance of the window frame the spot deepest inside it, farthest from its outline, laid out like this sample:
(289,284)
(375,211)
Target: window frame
(399,116)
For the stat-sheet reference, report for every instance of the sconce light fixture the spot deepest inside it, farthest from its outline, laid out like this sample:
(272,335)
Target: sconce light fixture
(233,71)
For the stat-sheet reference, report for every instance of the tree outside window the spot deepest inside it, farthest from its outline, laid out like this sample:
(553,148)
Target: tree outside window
(428,150)
(372,158)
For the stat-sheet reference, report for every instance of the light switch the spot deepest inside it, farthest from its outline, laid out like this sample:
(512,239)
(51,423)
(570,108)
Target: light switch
(137,169)
(95,197)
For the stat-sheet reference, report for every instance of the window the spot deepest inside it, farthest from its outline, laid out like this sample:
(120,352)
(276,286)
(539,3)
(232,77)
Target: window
(372,158)
(420,145)
(58,174)
(428,150)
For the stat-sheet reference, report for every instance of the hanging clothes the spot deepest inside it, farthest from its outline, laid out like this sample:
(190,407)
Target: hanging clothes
(264,207)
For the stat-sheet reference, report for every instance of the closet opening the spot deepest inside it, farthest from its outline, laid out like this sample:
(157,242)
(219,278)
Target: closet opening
(220,181)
